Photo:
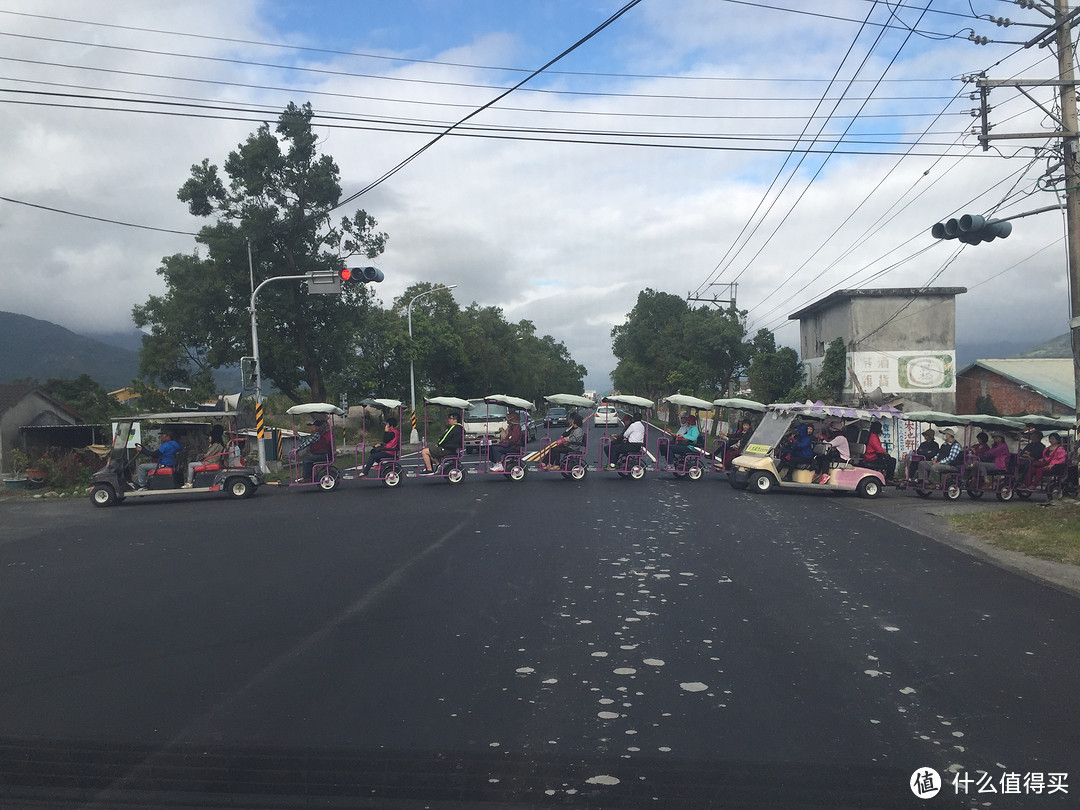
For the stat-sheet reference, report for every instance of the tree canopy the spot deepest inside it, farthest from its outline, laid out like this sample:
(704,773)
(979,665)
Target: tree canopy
(278,200)
(665,346)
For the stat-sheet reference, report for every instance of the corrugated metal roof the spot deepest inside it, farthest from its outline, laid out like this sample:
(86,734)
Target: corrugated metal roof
(1050,376)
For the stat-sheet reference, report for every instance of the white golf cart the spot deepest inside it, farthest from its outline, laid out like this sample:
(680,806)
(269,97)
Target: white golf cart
(762,468)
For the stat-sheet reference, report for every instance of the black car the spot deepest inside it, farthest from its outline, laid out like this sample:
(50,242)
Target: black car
(556,417)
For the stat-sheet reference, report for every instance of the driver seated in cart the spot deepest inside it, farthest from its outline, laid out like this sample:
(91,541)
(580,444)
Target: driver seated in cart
(164,456)
(947,460)
(631,440)
(387,448)
(318,446)
(511,440)
(685,440)
(451,442)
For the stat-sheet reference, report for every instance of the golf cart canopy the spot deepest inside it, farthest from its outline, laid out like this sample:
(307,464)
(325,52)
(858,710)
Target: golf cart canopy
(570,399)
(626,399)
(449,402)
(315,407)
(513,402)
(685,401)
(740,404)
(386,404)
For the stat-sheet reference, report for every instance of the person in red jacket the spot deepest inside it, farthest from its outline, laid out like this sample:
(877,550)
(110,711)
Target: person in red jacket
(387,448)
(875,456)
(1052,456)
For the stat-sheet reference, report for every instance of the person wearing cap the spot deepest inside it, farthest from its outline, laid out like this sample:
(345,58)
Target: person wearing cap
(947,459)
(510,441)
(451,442)
(387,448)
(994,460)
(164,456)
(318,446)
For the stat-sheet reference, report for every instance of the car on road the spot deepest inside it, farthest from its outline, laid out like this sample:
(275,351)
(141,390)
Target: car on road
(606,415)
(556,417)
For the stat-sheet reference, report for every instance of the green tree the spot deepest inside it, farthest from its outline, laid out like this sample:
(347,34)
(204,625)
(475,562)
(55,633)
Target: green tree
(829,385)
(437,348)
(279,197)
(665,346)
(85,396)
(774,374)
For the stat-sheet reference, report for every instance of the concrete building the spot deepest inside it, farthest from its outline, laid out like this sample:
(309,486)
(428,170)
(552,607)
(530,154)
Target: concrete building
(1018,386)
(900,339)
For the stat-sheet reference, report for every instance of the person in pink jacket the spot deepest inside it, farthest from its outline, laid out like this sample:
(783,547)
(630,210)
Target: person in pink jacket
(1052,455)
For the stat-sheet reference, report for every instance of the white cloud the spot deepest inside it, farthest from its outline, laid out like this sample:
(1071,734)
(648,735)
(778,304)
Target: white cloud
(564,235)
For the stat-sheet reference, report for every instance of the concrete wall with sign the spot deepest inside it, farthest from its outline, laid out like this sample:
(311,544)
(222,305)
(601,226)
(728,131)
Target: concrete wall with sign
(901,340)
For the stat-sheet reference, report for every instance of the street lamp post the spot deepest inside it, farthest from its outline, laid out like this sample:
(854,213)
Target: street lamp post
(414,437)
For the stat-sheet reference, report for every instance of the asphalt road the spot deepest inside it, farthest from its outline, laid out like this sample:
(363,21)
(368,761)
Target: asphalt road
(658,643)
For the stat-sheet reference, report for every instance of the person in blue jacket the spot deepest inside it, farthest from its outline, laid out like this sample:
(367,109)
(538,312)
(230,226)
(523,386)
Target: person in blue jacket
(800,452)
(164,456)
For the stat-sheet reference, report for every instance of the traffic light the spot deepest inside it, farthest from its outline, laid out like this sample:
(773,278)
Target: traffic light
(971,229)
(363,275)
(249,371)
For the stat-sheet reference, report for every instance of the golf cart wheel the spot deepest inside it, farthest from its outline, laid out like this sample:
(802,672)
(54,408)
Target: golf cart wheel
(924,493)
(975,494)
(103,495)
(737,484)
(393,477)
(579,472)
(680,476)
(239,487)
(1005,493)
(869,487)
(762,482)
(952,491)
(329,480)
(695,473)
(516,473)
(637,472)
(455,475)
(1054,491)
(1023,494)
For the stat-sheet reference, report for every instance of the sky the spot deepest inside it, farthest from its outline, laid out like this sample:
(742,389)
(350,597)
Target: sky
(687,146)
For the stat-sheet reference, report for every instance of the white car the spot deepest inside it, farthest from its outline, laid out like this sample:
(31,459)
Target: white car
(606,415)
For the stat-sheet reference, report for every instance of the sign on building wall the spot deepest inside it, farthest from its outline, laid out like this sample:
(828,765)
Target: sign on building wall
(904,372)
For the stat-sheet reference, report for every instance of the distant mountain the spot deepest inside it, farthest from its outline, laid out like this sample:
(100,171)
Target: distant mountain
(41,350)
(132,341)
(1060,346)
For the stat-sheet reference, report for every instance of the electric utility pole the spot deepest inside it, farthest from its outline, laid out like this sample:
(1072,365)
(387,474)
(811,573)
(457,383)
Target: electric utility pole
(1059,32)
(1069,159)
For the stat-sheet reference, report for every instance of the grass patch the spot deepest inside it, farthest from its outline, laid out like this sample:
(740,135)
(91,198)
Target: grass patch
(1049,532)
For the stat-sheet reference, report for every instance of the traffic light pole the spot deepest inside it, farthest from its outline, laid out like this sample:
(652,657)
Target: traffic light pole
(1069,159)
(258,363)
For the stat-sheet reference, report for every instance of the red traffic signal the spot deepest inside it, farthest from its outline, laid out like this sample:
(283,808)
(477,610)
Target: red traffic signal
(362,275)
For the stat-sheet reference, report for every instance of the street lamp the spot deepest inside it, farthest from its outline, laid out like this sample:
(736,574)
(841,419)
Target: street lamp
(414,437)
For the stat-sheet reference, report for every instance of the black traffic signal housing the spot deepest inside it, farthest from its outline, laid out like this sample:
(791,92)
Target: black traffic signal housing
(971,229)
(360,275)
